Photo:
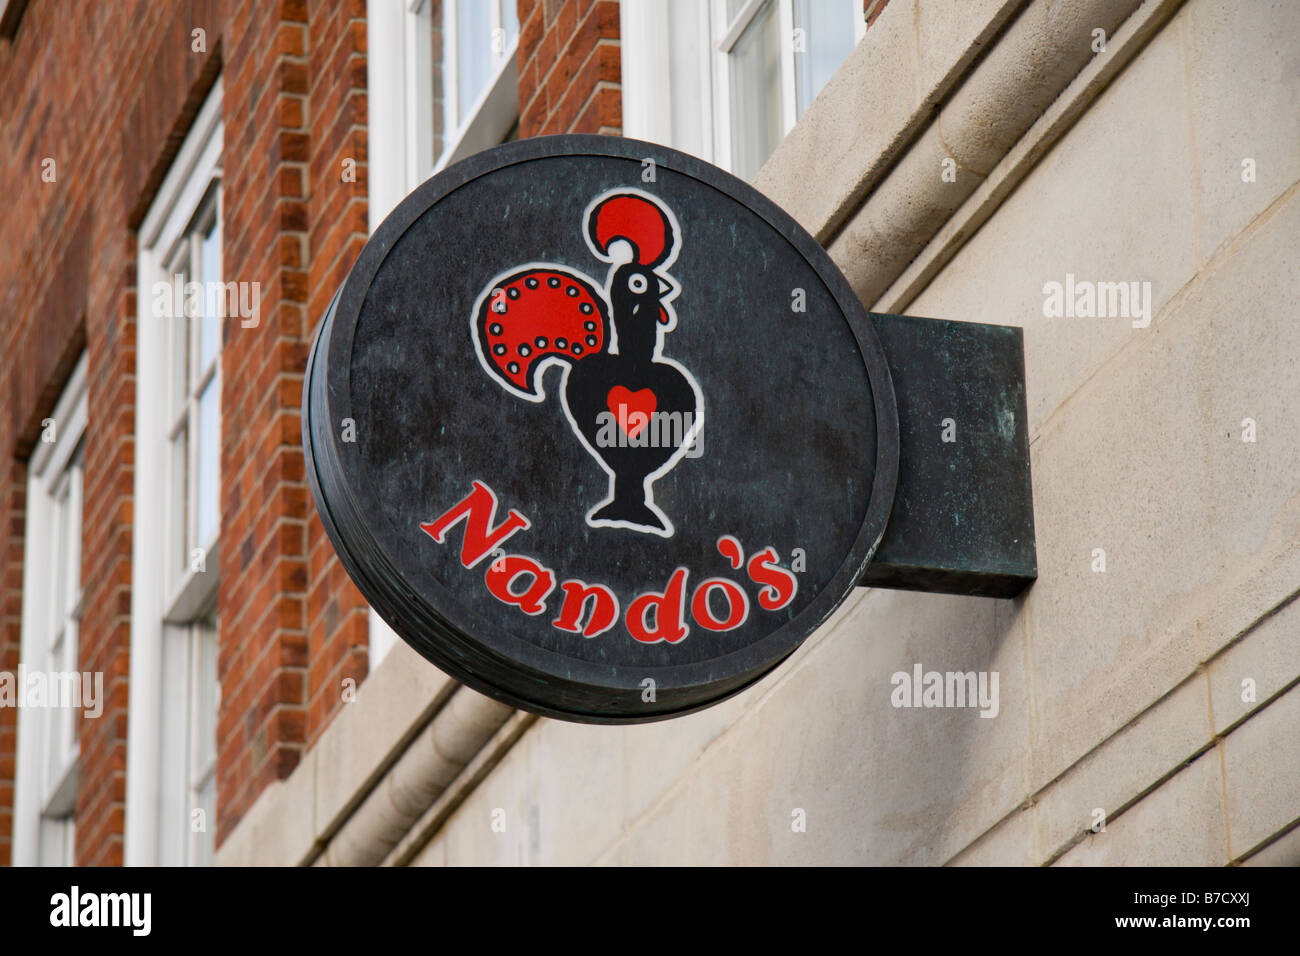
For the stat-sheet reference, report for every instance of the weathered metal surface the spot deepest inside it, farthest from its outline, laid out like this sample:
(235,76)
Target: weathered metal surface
(963,518)
(493,320)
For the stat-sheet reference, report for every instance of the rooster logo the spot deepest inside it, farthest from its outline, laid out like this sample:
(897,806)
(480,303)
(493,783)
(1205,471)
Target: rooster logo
(636,412)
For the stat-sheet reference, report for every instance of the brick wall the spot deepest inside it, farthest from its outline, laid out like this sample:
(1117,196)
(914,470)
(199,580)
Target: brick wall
(292,625)
(262,596)
(337,616)
(294,109)
(570,74)
(67,270)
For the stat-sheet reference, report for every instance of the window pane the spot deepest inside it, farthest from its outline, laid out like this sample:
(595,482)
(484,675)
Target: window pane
(58,721)
(203,738)
(208,693)
(510,20)
(69,729)
(213,306)
(756,93)
(173,818)
(72,533)
(827,27)
(179,330)
(473,53)
(209,450)
(177,510)
(180,365)
(58,557)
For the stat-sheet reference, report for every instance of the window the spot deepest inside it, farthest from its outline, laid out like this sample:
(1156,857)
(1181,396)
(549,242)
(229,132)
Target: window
(764,62)
(175,691)
(473,42)
(189,646)
(46,771)
(446,87)
(753,81)
(189,740)
(194,395)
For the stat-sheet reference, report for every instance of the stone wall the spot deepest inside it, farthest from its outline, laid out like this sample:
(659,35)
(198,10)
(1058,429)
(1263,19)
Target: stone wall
(1121,692)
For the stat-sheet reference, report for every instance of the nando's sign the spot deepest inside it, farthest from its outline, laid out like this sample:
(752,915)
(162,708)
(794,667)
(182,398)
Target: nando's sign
(603,433)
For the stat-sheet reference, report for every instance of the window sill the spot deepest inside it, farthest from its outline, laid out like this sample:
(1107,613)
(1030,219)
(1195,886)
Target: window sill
(490,118)
(192,594)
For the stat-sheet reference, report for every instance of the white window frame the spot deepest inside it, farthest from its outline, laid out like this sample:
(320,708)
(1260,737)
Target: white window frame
(46,767)
(682,46)
(187,589)
(400,94)
(187,763)
(496,110)
(168,601)
(728,35)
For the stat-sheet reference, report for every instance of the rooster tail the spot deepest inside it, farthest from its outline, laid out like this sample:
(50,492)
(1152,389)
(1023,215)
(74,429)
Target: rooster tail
(540,314)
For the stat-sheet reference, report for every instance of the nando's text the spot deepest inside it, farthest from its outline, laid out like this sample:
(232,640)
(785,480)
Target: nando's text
(590,608)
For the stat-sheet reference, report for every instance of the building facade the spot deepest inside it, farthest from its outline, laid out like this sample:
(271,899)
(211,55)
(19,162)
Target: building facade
(193,679)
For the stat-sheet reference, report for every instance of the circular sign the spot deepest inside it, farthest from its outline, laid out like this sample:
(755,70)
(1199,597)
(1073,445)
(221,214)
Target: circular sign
(598,429)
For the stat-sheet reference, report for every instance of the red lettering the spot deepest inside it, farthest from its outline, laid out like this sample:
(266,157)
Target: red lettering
(501,575)
(669,613)
(737,605)
(781,584)
(478,508)
(604,611)
(730,549)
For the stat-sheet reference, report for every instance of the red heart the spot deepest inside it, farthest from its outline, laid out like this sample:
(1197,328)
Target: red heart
(625,403)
